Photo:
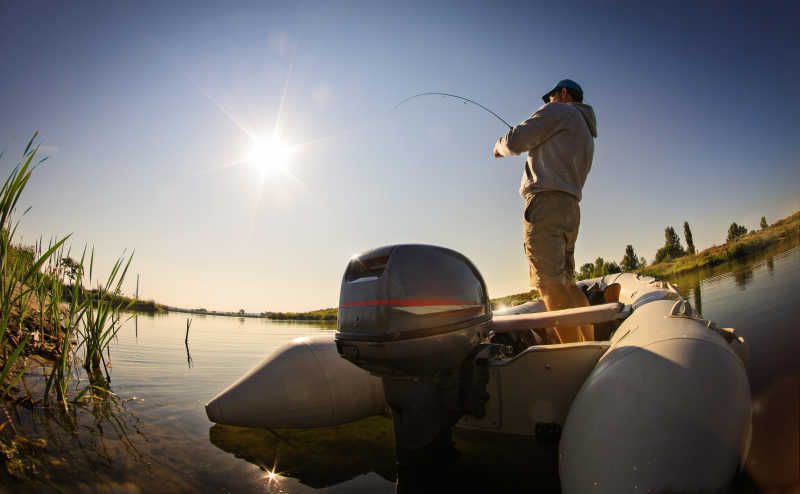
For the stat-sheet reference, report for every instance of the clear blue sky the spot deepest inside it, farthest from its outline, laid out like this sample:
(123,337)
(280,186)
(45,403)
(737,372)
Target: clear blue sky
(142,104)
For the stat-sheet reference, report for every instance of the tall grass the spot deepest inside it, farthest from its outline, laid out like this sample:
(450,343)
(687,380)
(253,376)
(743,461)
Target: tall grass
(72,320)
(18,271)
(67,322)
(101,317)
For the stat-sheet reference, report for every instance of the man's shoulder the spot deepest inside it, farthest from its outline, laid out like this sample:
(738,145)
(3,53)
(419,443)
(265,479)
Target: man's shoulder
(554,108)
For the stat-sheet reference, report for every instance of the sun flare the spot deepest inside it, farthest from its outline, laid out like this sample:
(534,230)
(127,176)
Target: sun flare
(269,154)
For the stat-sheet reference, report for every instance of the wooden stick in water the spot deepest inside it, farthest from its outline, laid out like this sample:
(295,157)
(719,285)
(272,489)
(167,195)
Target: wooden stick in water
(186,342)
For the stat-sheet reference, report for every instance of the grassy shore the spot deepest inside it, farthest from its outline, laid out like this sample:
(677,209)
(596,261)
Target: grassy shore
(127,304)
(49,322)
(512,300)
(45,310)
(314,315)
(786,230)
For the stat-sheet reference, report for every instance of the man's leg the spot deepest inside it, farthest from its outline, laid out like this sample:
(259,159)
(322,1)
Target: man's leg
(577,296)
(579,300)
(557,297)
(551,227)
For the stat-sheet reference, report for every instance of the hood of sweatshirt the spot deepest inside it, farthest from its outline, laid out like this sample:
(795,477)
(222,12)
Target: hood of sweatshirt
(588,115)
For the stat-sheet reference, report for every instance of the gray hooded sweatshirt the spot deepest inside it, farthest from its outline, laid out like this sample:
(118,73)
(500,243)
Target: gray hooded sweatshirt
(559,141)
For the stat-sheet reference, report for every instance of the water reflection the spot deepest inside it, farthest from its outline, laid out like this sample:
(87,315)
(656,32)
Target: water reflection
(319,457)
(97,442)
(186,342)
(101,449)
(189,356)
(743,274)
(330,456)
(741,270)
(698,298)
(689,286)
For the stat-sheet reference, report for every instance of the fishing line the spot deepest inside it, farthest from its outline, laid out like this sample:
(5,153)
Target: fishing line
(466,100)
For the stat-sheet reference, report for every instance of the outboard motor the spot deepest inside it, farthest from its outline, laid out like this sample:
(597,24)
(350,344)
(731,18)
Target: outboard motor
(418,317)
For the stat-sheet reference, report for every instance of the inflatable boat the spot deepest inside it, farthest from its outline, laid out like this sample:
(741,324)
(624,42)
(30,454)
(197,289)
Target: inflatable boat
(660,401)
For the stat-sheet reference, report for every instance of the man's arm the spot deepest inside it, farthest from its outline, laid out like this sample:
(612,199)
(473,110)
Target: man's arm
(532,132)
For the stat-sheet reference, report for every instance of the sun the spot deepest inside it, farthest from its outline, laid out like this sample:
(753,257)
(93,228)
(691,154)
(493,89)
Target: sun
(269,154)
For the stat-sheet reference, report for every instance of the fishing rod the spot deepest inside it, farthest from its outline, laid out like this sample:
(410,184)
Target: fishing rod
(466,100)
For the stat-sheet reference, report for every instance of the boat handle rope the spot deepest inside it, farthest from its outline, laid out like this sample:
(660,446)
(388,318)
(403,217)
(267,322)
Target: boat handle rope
(681,308)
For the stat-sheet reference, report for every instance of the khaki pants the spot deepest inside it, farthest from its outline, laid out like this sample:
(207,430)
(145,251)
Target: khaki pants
(551,222)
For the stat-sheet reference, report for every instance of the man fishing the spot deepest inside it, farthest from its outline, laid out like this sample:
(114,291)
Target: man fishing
(559,140)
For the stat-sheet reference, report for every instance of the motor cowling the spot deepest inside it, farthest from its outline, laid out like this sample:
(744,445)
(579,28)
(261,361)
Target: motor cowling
(418,316)
(411,310)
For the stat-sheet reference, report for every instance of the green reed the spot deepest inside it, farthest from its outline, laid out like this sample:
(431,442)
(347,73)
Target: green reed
(92,318)
(101,318)
(78,322)
(62,369)
(16,275)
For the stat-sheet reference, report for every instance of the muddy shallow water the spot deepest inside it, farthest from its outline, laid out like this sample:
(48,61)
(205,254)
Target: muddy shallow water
(155,437)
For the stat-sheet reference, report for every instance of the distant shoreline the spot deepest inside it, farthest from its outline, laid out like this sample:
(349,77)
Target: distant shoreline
(322,315)
(785,230)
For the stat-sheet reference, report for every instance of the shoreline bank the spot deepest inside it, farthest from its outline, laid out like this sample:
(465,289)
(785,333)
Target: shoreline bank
(785,231)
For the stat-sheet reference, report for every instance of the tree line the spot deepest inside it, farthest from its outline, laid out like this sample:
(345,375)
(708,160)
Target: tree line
(672,249)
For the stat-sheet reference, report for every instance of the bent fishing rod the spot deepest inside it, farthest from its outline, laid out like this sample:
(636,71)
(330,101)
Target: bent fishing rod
(466,100)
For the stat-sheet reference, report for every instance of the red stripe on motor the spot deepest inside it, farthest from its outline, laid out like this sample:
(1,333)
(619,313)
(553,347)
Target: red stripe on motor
(405,303)
(458,312)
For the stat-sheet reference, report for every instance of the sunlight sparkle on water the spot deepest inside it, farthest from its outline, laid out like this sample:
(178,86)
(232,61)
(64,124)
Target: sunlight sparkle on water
(273,476)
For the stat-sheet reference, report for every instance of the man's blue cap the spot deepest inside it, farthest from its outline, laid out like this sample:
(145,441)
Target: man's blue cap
(567,83)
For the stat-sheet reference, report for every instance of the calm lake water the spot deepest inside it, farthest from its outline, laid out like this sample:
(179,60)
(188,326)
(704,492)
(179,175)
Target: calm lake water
(156,437)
